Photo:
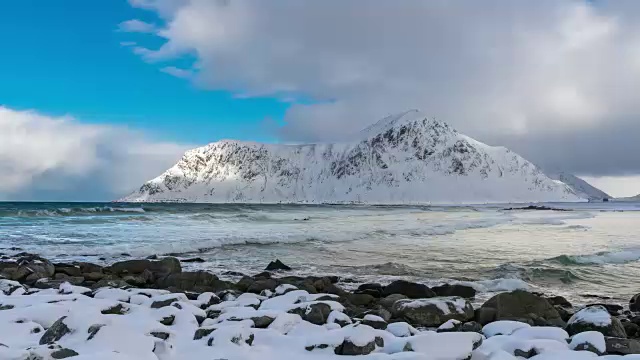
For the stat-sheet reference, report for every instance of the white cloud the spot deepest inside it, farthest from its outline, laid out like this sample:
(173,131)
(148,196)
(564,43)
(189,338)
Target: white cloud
(65,158)
(137,26)
(177,72)
(493,69)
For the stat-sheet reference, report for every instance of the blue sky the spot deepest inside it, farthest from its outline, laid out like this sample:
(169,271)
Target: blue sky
(69,60)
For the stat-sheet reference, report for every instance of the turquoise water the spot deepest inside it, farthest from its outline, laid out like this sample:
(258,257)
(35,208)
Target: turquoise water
(593,249)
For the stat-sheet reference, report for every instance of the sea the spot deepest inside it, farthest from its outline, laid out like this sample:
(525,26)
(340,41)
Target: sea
(587,252)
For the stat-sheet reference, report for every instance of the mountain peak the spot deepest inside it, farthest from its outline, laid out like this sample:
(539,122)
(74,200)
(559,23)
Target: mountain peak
(408,117)
(405,158)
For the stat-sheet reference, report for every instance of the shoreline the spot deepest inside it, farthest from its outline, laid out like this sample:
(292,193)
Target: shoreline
(208,314)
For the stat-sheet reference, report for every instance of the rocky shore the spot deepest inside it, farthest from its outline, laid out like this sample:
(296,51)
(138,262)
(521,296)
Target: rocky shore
(152,309)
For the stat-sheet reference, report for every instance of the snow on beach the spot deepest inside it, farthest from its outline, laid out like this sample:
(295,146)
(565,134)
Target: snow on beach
(126,324)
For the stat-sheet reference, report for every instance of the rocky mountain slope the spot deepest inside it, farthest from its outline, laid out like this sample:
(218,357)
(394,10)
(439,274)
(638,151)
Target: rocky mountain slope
(402,159)
(580,187)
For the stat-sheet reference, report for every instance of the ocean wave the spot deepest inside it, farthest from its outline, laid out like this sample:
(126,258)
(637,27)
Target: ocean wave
(600,258)
(64,211)
(495,285)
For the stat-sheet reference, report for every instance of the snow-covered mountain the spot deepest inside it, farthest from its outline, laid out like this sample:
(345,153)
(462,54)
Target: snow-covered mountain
(579,186)
(402,159)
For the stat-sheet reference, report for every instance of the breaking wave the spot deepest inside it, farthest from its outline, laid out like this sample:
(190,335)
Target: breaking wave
(600,258)
(63,211)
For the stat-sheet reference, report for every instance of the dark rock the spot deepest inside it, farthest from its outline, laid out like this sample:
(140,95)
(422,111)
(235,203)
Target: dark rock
(197,281)
(73,280)
(519,305)
(376,324)
(565,313)
(233,273)
(455,290)
(93,330)
(621,346)
(168,320)
(27,269)
(244,283)
(349,348)
(114,283)
(631,329)
(410,289)
(162,303)
(471,326)
(93,276)
(361,299)
(262,276)
(373,289)
(152,257)
(67,269)
(456,326)
(160,335)
(262,322)
(613,309)
(559,301)
(159,268)
(201,333)
(115,310)
(55,332)
(428,312)
(576,325)
(86,267)
(388,301)
(277,265)
(259,285)
(588,347)
(63,353)
(194,260)
(315,313)
(634,303)
(485,316)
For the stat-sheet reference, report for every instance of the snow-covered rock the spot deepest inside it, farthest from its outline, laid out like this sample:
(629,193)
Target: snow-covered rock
(405,158)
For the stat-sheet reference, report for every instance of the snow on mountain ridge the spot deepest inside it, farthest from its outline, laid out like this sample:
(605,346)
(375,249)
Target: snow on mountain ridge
(405,158)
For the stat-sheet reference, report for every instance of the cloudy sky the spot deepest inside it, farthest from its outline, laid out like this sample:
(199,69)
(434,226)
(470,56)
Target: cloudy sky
(97,97)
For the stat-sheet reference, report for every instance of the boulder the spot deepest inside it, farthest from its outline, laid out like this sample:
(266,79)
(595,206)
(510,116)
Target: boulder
(622,346)
(455,290)
(374,321)
(592,341)
(373,289)
(63,353)
(259,285)
(634,303)
(159,268)
(55,332)
(317,313)
(388,301)
(595,318)
(433,312)
(520,306)
(361,299)
(410,289)
(277,265)
(471,326)
(559,301)
(67,269)
(631,329)
(28,268)
(86,267)
(197,281)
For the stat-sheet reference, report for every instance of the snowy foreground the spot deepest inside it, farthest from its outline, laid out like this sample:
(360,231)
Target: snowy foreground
(112,323)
